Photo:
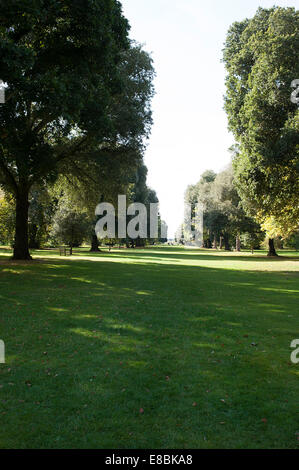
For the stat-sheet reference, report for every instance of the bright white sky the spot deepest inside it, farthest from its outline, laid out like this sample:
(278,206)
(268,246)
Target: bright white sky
(189,136)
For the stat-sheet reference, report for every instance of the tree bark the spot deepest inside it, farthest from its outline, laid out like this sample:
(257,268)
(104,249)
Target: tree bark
(226,243)
(215,245)
(21,247)
(140,242)
(272,251)
(221,243)
(94,244)
(72,240)
(238,243)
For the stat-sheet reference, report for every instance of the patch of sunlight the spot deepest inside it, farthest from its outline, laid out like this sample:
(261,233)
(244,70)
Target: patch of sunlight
(205,345)
(12,271)
(285,291)
(122,326)
(81,279)
(80,316)
(109,338)
(140,292)
(295,372)
(82,332)
(270,307)
(113,344)
(242,284)
(59,310)
(236,261)
(56,266)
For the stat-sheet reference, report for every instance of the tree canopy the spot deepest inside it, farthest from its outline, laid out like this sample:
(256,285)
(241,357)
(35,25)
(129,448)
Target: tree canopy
(262,59)
(78,91)
(225,220)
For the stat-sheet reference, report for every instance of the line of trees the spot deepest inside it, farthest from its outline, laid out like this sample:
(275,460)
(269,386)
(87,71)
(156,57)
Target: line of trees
(261,57)
(64,212)
(226,224)
(76,116)
(259,193)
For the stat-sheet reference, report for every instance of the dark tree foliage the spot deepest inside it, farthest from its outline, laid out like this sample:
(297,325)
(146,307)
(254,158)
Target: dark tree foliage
(60,61)
(261,56)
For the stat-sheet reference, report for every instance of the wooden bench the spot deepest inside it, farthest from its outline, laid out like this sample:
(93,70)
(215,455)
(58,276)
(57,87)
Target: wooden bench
(64,251)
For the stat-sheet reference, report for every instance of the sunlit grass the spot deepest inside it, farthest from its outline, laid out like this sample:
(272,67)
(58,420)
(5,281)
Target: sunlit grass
(199,340)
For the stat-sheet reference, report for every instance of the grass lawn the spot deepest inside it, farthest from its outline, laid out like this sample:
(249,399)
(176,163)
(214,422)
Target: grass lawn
(93,340)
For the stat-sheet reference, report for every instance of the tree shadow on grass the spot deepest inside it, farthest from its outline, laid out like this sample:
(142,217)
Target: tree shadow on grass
(200,255)
(204,352)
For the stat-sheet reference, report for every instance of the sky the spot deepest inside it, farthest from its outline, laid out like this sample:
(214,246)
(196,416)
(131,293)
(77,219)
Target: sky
(189,135)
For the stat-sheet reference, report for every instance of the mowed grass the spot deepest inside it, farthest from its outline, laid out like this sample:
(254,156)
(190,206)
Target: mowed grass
(197,340)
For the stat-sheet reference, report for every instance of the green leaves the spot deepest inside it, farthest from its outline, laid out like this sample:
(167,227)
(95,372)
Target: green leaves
(262,59)
(78,92)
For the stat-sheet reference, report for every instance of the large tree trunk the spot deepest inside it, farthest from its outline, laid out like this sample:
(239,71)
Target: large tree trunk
(238,243)
(94,244)
(140,242)
(226,243)
(21,249)
(272,251)
(215,244)
(72,240)
(221,243)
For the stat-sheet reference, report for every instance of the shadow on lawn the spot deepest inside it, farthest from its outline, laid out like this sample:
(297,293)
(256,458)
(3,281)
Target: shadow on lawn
(206,257)
(166,253)
(117,337)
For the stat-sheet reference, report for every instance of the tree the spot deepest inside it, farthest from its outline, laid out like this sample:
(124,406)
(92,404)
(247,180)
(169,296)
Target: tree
(208,176)
(139,192)
(101,180)
(224,216)
(60,63)
(262,59)
(7,216)
(41,210)
(227,200)
(111,166)
(69,225)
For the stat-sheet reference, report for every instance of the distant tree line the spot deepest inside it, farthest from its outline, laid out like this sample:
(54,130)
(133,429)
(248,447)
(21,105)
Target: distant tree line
(226,224)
